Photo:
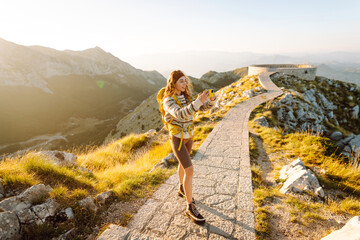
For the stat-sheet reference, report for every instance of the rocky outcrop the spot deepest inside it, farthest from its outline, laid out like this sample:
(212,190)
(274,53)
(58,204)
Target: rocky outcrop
(26,208)
(295,114)
(2,190)
(336,136)
(68,213)
(351,231)
(298,179)
(89,203)
(248,93)
(104,197)
(231,93)
(61,159)
(26,199)
(165,162)
(58,157)
(351,147)
(38,213)
(319,105)
(262,121)
(355,112)
(9,226)
(33,207)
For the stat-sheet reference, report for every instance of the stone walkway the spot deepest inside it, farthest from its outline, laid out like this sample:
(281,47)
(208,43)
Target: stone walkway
(222,186)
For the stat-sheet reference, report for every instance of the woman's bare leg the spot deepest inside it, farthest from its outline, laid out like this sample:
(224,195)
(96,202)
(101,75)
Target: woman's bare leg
(181,173)
(188,183)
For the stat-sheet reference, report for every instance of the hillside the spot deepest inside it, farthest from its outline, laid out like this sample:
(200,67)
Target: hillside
(146,116)
(112,181)
(315,122)
(108,184)
(51,99)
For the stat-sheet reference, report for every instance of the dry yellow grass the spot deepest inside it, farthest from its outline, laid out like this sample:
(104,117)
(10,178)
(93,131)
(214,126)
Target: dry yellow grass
(318,152)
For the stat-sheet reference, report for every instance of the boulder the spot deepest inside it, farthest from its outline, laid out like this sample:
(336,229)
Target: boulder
(89,203)
(326,104)
(280,114)
(38,213)
(336,136)
(311,116)
(9,226)
(355,112)
(262,121)
(300,113)
(248,93)
(14,204)
(164,163)
(352,148)
(65,214)
(25,199)
(42,211)
(104,197)
(298,179)
(309,96)
(69,213)
(2,190)
(35,193)
(330,114)
(351,231)
(287,98)
(27,216)
(290,116)
(58,157)
(342,143)
(287,169)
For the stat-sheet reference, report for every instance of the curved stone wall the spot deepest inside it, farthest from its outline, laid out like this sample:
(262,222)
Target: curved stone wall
(303,71)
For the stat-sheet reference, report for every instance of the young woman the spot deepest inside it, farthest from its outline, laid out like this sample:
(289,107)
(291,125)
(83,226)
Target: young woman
(179,107)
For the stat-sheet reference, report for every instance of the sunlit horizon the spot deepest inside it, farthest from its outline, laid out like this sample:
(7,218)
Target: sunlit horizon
(133,28)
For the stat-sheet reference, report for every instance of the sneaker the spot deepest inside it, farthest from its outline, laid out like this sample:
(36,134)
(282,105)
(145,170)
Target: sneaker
(181,191)
(194,214)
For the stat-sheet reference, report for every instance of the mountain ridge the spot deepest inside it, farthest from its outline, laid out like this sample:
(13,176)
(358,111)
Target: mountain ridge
(43,89)
(38,63)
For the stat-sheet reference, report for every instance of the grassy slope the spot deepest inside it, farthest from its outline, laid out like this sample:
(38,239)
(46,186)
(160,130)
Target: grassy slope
(122,165)
(305,214)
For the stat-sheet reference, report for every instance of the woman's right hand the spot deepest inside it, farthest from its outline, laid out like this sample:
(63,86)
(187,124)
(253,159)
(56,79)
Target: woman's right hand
(204,96)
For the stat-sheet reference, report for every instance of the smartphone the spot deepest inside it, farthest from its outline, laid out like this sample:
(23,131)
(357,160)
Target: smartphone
(211,91)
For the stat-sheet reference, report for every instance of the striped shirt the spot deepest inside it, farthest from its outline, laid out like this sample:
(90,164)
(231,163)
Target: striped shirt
(183,117)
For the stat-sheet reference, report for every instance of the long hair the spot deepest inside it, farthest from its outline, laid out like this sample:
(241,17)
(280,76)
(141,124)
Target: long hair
(173,78)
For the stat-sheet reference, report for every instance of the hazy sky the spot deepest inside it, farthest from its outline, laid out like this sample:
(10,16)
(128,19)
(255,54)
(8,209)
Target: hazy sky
(134,27)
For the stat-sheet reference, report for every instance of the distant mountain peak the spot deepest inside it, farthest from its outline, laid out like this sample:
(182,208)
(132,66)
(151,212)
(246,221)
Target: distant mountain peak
(98,48)
(95,49)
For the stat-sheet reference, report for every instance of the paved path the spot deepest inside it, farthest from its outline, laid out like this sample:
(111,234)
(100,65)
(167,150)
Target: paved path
(222,186)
